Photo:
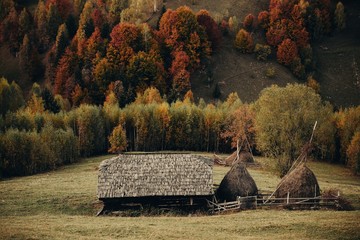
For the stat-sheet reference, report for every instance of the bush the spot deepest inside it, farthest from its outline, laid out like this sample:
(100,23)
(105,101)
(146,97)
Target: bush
(270,72)
(263,19)
(287,52)
(262,51)
(340,17)
(297,68)
(311,82)
(244,42)
(249,21)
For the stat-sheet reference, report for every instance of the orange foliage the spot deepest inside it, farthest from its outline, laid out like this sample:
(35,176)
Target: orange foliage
(181,82)
(98,18)
(94,44)
(181,31)
(286,20)
(126,33)
(240,126)
(181,62)
(244,42)
(249,21)
(287,52)
(263,19)
(65,79)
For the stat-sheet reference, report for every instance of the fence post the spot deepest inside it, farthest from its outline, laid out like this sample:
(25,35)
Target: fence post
(287,198)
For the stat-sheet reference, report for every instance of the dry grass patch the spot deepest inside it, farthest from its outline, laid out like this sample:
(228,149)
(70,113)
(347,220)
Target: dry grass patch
(62,205)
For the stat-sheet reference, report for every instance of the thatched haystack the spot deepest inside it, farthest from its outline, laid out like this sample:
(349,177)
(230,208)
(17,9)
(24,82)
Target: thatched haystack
(237,182)
(244,156)
(299,183)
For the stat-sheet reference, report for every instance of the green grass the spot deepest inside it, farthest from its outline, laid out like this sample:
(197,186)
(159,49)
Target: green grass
(62,205)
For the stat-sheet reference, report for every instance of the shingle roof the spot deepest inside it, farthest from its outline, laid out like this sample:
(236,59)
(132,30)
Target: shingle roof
(155,175)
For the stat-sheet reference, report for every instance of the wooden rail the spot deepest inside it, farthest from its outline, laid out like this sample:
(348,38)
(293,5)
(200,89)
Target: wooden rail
(254,202)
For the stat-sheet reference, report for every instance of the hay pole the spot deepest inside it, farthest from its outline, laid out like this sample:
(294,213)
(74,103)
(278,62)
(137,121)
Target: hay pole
(248,143)
(294,165)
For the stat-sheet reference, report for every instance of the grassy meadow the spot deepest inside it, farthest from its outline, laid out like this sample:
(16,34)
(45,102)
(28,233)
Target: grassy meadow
(62,205)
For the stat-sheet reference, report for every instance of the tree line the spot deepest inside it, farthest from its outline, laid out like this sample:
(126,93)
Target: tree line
(278,124)
(81,49)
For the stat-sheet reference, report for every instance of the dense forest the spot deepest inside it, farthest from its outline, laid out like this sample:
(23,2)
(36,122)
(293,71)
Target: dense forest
(102,79)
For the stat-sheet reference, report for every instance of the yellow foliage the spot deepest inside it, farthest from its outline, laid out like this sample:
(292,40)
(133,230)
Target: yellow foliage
(353,153)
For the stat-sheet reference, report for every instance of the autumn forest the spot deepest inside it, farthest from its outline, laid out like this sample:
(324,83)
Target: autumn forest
(116,75)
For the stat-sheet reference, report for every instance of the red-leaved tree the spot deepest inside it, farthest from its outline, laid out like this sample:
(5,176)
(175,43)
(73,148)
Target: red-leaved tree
(287,52)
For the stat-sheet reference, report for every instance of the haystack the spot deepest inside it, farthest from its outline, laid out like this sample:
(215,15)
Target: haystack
(299,183)
(244,156)
(237,182)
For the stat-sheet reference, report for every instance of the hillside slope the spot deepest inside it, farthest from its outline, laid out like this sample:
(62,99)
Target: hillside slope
(338,65)
(338,58)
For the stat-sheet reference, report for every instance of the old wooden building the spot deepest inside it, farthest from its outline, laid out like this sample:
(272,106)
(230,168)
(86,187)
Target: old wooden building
(161,180)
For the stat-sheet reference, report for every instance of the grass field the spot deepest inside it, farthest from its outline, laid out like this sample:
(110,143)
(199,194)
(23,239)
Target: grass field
(62,205)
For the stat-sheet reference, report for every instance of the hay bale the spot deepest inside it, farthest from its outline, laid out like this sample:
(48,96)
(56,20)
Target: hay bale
(237,182)
(300,183)
(244,156)
(230,159)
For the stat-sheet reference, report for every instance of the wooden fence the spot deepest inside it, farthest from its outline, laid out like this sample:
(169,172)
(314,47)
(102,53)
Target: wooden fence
(266,200)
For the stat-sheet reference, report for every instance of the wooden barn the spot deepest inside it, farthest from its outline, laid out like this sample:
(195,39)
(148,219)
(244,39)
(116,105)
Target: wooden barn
(160,180)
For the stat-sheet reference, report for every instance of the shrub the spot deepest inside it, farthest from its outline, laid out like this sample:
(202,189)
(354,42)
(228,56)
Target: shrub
(249,21)
(233,24)
(270,72)
(262,51)
(311,82)
(244,42)
(340,18)
(297,68)
(287,52)
(263,19)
